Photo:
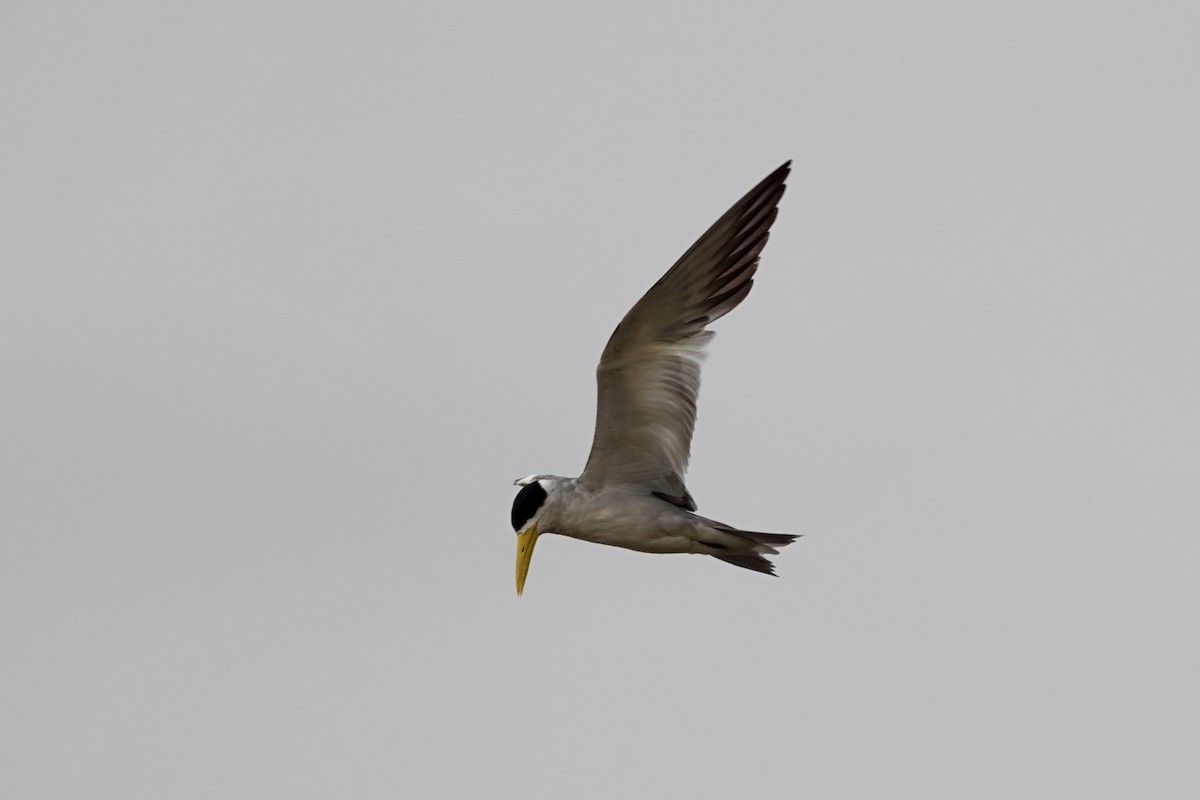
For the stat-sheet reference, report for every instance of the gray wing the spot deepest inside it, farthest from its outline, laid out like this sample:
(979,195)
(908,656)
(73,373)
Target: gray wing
(649,374)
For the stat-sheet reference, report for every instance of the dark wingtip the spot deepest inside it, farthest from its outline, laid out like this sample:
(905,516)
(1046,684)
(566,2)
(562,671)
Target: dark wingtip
(778,177)
(781,172)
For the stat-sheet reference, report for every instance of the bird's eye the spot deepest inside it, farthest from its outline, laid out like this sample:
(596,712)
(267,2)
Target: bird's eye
(527,503)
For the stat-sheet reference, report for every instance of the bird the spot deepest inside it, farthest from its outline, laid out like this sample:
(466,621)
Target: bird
(631,492)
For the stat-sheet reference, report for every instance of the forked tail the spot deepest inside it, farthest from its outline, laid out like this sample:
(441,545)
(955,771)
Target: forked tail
(764,543)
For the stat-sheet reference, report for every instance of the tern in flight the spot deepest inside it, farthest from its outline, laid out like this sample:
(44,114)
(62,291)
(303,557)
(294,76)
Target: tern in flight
(631,492)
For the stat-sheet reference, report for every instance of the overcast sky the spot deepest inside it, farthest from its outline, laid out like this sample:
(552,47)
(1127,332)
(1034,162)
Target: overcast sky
(291,292)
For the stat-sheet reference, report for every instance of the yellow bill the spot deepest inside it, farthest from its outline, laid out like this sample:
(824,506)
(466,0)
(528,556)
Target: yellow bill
(525,543)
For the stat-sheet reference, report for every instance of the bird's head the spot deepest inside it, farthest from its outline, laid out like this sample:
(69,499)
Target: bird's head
(526,512)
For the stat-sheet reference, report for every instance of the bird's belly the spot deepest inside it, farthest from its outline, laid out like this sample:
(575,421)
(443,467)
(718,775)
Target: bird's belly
(642,530)
(643,540)
(635,522)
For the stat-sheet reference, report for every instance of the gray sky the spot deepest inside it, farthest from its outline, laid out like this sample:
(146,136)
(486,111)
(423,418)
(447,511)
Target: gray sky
(291,292)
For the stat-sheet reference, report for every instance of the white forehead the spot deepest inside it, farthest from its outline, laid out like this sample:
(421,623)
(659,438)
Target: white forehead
(528,479)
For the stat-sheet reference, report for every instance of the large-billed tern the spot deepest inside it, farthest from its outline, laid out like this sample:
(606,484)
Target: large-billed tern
(631,493)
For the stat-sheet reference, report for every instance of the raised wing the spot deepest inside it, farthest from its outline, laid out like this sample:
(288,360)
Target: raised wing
(649,374)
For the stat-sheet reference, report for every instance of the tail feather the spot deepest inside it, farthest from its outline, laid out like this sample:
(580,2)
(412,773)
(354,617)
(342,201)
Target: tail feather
(769,539)
(747,561)
(763,543)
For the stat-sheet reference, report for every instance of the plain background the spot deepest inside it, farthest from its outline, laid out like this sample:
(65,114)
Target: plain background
(291,292)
